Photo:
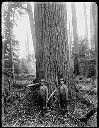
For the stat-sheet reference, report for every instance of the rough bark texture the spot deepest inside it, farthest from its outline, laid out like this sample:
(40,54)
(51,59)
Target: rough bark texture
(51,42)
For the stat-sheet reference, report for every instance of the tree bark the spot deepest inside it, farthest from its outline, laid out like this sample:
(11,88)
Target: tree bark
(51,42)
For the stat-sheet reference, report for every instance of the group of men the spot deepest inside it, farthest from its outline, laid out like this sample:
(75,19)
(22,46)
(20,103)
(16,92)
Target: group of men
(43,95)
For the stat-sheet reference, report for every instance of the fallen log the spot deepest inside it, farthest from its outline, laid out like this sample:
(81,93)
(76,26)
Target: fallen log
(86,117)
(82,121)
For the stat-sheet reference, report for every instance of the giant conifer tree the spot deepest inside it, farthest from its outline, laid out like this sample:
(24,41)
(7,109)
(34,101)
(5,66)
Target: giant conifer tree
(51,42)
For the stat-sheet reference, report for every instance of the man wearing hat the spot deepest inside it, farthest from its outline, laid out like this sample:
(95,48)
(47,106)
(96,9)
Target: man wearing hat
(63,95)
(43,96)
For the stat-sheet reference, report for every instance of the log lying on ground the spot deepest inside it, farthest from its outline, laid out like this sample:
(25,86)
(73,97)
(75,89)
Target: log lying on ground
(82,121)
(83,96)
(89,100)
(86,117)
(92,122)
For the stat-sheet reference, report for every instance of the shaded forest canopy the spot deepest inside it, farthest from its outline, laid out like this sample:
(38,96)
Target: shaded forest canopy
(55,41)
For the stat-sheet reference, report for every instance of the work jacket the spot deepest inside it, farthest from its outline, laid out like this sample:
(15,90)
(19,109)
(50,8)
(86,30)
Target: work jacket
(64,91)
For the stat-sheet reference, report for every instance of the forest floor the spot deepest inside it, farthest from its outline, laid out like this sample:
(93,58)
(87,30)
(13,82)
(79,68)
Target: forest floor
(21,113)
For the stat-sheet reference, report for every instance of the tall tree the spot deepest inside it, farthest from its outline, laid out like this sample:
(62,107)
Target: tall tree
(92,27)
(8,57)
(74,24)
(85,15)
(70,46)
(9,41)
(95,19)
(32,24)
(6,51)
(51,42)
(75,33)
(94,15)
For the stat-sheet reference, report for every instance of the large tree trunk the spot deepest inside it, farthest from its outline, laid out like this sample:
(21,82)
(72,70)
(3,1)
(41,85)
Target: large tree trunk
(51,42)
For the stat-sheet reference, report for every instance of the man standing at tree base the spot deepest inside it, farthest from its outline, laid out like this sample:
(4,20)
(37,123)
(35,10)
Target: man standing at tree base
(43,96)
(63,95)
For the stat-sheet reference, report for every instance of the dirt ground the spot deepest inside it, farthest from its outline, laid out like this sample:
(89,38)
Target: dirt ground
(23,113)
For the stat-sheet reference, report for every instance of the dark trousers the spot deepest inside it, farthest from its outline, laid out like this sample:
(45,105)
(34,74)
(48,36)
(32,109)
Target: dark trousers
(42,104)
(63,102)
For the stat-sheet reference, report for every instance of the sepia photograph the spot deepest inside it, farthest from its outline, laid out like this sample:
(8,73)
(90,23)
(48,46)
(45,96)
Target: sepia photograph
(49,64)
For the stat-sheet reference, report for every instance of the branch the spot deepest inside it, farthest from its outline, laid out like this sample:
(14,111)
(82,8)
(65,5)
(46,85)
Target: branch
(29,85)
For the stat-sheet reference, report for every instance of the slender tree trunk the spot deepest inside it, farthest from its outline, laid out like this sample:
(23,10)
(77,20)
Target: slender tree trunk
(92,27)
(13,75)
(32,24)
(85,15)
(94,15)
(4,49)
(27,45)
(95,19)
(51,42)
(74,23)
(11,47)
(70,46)
(9,41)
(3,81)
